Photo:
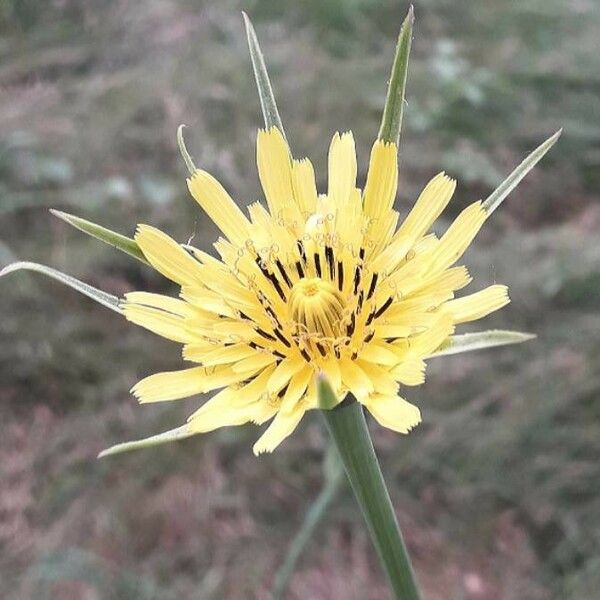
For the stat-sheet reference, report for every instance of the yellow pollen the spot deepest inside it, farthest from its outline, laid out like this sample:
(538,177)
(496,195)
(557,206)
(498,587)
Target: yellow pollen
(316,306)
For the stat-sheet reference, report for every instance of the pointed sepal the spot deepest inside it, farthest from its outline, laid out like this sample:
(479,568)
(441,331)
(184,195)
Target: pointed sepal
(173,435)
(112,238)
(467,342)
(99,296)
(391,121)
(189,163)
(263,83)
(493,201)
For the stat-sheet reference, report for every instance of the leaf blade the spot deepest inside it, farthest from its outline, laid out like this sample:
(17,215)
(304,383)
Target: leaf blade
(172,435)
(112,238)
(481,340)
(104,298)
(495,199)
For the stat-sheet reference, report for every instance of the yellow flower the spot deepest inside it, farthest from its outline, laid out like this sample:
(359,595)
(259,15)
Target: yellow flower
(315,283)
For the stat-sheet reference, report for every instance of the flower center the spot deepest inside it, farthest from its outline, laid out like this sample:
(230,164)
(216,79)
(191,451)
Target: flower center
(316,306)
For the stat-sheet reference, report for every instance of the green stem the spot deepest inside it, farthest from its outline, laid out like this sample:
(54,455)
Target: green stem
(348,428)
(334,477)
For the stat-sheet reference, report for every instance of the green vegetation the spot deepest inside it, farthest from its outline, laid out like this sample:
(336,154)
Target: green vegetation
(498,488)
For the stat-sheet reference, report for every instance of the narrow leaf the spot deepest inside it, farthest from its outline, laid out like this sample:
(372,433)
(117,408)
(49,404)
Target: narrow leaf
(493,201)
(480,340)
(118,241)
(263,83)
(391,121)
(189,163)
(173,435)
(99,296)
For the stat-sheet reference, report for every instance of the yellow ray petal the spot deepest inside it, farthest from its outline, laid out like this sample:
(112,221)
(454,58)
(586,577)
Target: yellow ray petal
(238,396)
(355,379)
(275,174)
(281,427)
(264,411)
(254,363)
(165,303)
(457,238)
(173,385)
(381,185)
(234,330)
(296,388)
(409,372)
(477,305)
(219,206)
(379,352)
(394,413)
(383,381)
(197,350)
(219,412)
(331,368)
(170,326)
(305,188)
(428,207)
(218,355)
(166,255)
(342,169)
(284,371)
(425,343)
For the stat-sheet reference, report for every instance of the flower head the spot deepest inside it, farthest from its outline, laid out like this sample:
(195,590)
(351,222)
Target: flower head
(313,283)
(310,286)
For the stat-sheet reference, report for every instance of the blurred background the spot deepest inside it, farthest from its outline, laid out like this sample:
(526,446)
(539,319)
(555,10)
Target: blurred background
(497,490)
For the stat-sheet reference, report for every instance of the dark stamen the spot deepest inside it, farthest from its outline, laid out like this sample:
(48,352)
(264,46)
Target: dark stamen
(271,277)
(318,263)
(356,279)
(330,264)
(266,335)
(321,349)
(271,312)
(369,337)
(281,338)
(352,325)
(277,286)
(361,298)
(305,355)
(340,275)
(372,286)
(299,269)
(283,273)
(383,307)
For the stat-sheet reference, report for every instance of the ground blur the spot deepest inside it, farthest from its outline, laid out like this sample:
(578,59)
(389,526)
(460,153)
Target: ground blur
(497,490)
